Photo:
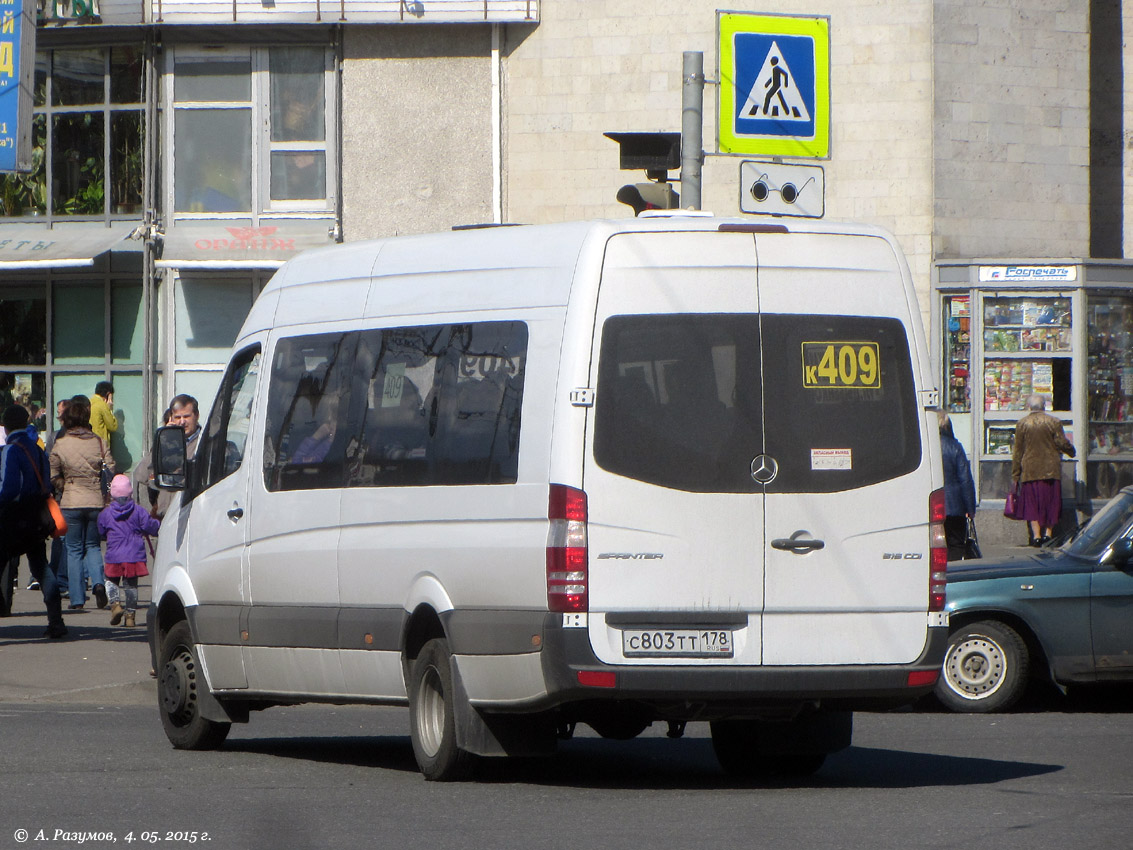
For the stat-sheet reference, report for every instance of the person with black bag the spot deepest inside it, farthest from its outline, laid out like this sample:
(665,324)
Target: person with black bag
(959,494)
(25,522)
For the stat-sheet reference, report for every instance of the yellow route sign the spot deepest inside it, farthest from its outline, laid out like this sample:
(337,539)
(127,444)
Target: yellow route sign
(774,96)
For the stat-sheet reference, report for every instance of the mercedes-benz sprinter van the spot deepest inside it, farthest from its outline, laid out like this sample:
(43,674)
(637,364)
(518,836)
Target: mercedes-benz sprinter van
(663,469)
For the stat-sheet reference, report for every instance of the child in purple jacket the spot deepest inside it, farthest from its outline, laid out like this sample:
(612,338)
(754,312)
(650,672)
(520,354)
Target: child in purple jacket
(122,525)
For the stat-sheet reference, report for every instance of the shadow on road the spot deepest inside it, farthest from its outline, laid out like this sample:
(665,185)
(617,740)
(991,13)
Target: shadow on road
(15,632)
(658,764)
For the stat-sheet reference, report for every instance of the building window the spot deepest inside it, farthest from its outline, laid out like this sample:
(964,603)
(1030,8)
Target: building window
(87,133)
(250,130)
(92,332)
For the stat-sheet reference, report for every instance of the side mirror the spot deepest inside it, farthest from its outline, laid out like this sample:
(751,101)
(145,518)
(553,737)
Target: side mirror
(170,467)
(1119,554)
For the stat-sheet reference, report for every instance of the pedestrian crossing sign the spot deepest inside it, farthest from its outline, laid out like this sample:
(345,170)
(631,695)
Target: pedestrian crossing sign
(774,94)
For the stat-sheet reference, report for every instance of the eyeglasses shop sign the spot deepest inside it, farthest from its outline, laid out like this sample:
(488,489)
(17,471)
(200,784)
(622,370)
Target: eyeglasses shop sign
(1028,274)
(17,64)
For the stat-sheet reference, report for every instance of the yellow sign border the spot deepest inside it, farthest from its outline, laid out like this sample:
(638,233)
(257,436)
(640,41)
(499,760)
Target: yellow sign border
(728,141)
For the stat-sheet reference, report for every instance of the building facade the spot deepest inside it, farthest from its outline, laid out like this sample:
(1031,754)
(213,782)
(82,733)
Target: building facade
(185,149)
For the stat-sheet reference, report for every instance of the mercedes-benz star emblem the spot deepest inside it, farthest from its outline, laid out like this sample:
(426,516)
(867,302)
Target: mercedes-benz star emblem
(764,469)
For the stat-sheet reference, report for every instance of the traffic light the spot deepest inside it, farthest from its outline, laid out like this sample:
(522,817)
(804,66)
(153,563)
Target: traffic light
(649,196)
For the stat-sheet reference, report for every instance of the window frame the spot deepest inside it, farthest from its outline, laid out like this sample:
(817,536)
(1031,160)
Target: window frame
(261,145)
(45,113)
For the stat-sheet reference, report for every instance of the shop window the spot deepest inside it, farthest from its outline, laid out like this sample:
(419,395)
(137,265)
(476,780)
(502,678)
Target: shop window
(208,315)
(958,353)
(78,321)
(23,324)
(87,132)
(1109,378)
(250,130)
(28,389)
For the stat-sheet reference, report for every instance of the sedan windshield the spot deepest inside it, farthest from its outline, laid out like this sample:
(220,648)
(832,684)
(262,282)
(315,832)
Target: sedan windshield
(1107,524)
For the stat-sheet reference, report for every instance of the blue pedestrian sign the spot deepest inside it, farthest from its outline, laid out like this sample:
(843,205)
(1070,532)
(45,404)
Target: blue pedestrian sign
(774,85)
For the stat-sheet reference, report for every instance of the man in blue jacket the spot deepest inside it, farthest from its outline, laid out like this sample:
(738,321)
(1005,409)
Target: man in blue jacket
(25,476)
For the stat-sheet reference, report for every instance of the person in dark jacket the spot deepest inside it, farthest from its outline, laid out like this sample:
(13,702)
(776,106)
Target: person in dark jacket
(959,489)
(123,524)
(25,477)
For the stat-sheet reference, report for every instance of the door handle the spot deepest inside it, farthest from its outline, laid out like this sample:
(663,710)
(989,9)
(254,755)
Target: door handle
(235,513)
(797,545)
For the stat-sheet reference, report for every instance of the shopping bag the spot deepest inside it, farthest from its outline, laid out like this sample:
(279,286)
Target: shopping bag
(58,523)
(972,543)
(1013,507)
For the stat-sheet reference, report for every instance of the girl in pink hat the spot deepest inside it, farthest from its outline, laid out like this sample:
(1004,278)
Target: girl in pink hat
(123,524)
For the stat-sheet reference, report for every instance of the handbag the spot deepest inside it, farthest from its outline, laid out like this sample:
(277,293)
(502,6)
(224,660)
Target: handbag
(972,542)
(104,474)
(49,521)
(1013,506)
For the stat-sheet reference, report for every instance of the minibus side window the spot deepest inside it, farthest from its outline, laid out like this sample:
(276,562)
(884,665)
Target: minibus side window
(308,395)
(393,383)
(437,404)
(476,424)
(225,436)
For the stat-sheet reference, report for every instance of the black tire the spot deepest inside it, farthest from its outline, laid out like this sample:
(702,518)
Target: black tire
(985,669)
(737,747)
(432,716)
(179,683)
(621,724)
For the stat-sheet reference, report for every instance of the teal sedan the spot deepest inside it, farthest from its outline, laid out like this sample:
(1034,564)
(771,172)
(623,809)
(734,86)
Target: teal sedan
(1064,613)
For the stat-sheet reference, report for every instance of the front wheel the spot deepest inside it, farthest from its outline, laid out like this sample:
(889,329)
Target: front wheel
(179,683)
(985,668)
(432,715)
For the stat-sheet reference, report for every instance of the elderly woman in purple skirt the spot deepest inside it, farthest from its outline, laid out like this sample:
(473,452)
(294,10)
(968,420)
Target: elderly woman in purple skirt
(1036,463)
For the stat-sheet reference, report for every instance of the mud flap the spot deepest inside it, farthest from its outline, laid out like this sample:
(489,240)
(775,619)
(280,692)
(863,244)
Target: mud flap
(499,734)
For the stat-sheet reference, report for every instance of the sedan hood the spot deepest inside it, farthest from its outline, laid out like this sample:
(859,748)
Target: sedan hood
(1033,563)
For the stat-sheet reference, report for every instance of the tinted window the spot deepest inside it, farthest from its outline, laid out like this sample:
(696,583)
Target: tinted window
(415,406)
(475,420)
(392,392)
(841,408)
(688,401)
(304,444)
(678,400)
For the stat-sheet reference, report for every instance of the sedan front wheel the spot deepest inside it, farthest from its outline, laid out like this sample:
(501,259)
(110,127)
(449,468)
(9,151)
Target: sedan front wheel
(985,668)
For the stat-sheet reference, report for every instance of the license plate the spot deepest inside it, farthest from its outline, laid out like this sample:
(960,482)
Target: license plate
(677,643)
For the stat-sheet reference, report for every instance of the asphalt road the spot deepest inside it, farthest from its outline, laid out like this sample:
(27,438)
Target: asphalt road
(335,777)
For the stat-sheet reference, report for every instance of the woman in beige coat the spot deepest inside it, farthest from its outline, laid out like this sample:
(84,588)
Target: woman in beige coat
(76,463)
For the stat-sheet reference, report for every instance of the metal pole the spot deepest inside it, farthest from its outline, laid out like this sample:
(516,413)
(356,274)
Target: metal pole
(692,128)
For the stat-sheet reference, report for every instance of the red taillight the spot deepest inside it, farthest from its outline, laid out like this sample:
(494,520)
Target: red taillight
(597,679)
(920,678)
(937,552)
(566,551)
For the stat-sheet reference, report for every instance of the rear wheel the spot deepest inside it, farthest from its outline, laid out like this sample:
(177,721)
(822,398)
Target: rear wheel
(179,684)
(985,668)
(432,715)
(747,749)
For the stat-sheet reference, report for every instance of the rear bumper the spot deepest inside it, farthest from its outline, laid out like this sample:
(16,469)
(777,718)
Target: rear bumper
(728,691)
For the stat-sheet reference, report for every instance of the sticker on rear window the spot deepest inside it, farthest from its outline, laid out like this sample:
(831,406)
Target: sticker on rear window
(854,365)
(831,459)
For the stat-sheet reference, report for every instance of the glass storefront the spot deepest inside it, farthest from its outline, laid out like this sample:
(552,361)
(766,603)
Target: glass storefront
(50,355)
(1064,332)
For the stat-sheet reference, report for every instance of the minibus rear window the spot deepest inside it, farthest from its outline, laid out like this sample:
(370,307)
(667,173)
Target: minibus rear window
(687,401)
